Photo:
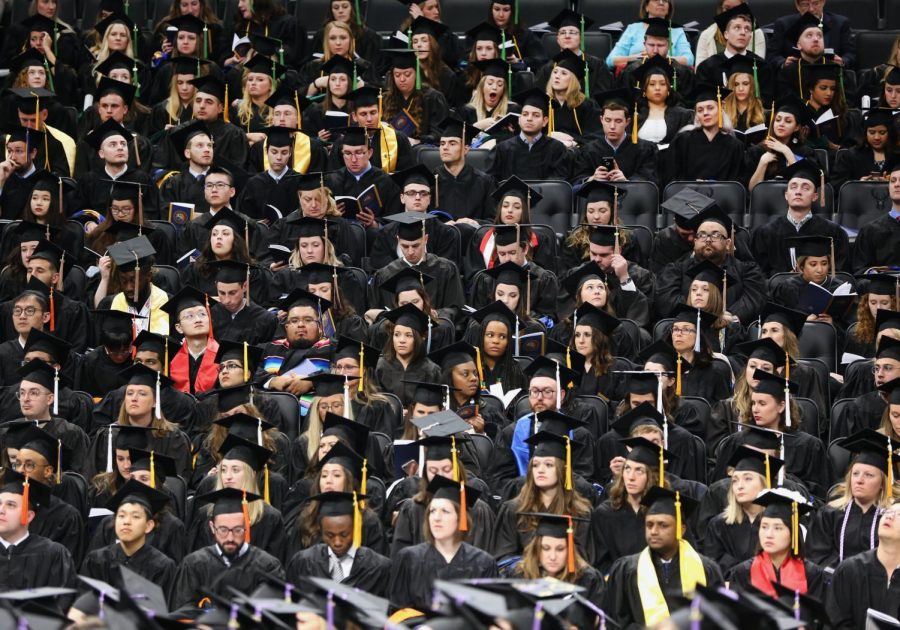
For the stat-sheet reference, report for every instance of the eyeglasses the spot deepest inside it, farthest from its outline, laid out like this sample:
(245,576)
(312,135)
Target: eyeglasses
(334,407)
(27,466)
(547,392)
(568,32)
(354,154)
(237,532)
(230,365)
(882,369)
(679,330)
(216,185)
(710,236)
(23,394)
(890,515)
(305,321)
(119,211)
(189,317)
(418,194)
(18,311)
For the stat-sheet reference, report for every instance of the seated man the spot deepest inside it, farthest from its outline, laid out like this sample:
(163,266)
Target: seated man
(30,310)
(866,410)
(805,41)
(234,316)
(193,368)
(275,186)
(100,367)
(17,171)
(878,241)
(56,153)
(462,191)
(838,34)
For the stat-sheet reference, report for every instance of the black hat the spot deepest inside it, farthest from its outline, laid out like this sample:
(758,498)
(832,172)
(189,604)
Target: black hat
(455,354)
(663,501)
(364,96)
(349,348)
(804,169)
(589,315)
(265,46)
(643,451)
(891,391)
(588,271)
(211,85)
(710,213)
(353,434)
(117,61)
(879,283)
(245,426)
(663,353)
(779,502)
(749,459)
(496,311)
(418,174)
(41,341)
(594,191)
(187,65)
(236,351)
(723,18)
(516,187)
(128,254)
(571,62)
(888,347)
(27,99)
(644,414)
(227,500)
(300,297)
(187,297)
(485,31)
(336,503)
(261,64)
(37,371)
(603,235)
(499,68)
(188,23)
(140,374)
(52,253)
(284,95)
(129,436)
(658,27)
(423,25)
(338,64)
(533,97)
(657,64)
(105,130)
(430,394)
(773,384)
(31,137)
(452,127)
(709,92)
(410,316)
(133,491)
(308,226)
(38,23)
(509,234)
(116,321)
(237,448)
(147,341)
(686,205)
(805,21)
(879,116)
(567,17)
(791,318)
(546,367)
(279,136)
(401,58)
(557,423)
(814,72)
(553,525)
(886,318)
(48,446)
(739,64)
(326,383)
(810,245)
(357,137)
(230,271)
(622,96)
(160,465)
(181,135)
(643,382)
(444,488)
(39,494)
(687,314)
(110,86)
(795,106)
(407,279)
(708,271)
(764,349)
(345,456)
(227,398)
(122,190)
(228,218)
(870,447)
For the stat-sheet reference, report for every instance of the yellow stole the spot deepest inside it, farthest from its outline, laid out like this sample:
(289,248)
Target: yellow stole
(302,153)
(67,143)
(159,319)
(652,600)
(388,148)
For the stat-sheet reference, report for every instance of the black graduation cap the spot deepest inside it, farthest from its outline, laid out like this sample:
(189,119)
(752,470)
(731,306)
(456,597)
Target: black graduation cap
(602,235)
(140,374)
(886,318)
(284,95)
(364,96)
(356,137)
(588,271)
(237,448)
(686,205)
(230,271)
(509,273)
(244,425)
(642,382)
(147,341)
(643,451)
(810,245)
(349,348)
(779,503)
(38,23)
(52,253)
(118,321)
(188,23)
(687,314)
(133,491)
(871,447)
(430,394)
(533,97)
(343,455)
(494,68)
(132,252)
(326,383)
(353,434)
(773,384)
(265,46)
(806,169)
(708,271)
(452,127)
(110,86)
(567,17)
(496,311)
(709,92)
(29,136)
(42,341)
(656,64)
(121,190)
(571,62)
(227,500)
(401,58)
(589,315)
(116,16)
(723,18)
(749,459)
(811,610)
(423,25)
(129,436)
(264,65)
(791,104)
(181,135)
(27,59)
(764,349)
(453,355)
(739,64)
(659,27)
(27,99)
(485,31)
(444,488)
(805,21)
(411,224)
(210,85)
(517,188)
(891,391)
(789,317)
(300,297)
(410,316)
(879,116)
(228,398)
(663,353)
(813,72)
(187,65)
(407,279)
(37,371)
(187,297)
(279,136)
(237,350)
(338,64)
(308,226)
(664,501)
(117,60)
(104,131)
(644,414)
(546,367)
(441,424)
(229,218)
(888,347)
(892,75)
(418,174)
(39,494)
(48,446)
(336,503)
(622,96)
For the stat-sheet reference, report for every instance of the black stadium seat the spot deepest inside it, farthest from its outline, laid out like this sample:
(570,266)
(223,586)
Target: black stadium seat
(861,202)
(431,158)
(556,206)
(641,205)
(731,197)
(767,202)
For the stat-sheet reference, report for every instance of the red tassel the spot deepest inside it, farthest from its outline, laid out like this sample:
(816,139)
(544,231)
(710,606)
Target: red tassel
(463,508)
(570,553)
(245,508)
(23,519)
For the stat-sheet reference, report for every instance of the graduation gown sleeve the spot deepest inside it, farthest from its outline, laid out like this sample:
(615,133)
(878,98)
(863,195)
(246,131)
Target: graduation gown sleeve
(416,568)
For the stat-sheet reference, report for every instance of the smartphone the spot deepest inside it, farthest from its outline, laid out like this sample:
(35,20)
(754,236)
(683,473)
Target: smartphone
(609,163)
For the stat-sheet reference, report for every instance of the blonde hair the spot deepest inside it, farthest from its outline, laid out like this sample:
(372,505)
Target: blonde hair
(574,95)
(314,427)
(174,108)
(756,114)
(245,109)
(734,513)
(886,427)
(255,508)
(161,426)
(331,258)
(894,57)
(326,31)
(103,51)
(843,496)
(477,101)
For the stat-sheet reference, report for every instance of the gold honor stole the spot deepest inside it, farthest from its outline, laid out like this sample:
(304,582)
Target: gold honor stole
(652,600)
(302,153)
(388,146)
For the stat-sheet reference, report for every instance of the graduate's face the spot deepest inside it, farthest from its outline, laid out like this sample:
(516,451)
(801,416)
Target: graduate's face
(206,107)
(766,410)
(141,475)
(34,400)
(326,443)
(464,377)
(258,84)
(594,292)
(683,336)
(560,79)
(894,186)
(698,294)
(332,478)
(420,410)
(532,120)
(410,297)
(231,295)
(339,42)
(404,79)
(311,249)
(707,114)
(773,331)
(403,340)
(511,253)
(511,209)
(451,150)
(42,270)
(438,468)
(338,84)
(888,527)
(337,533)
(341,11)
(569,38)
(598,213)
(508,294)
(10,515)
(894,417)
(493,89)
(114,150)
(221,240)
(544,472)
(118,37)
(356,158)
(333,403)
(132,522)
(635,477)
(742,86)
(231,473)
(877,137)
(891,96)
(814,269)
(189,7)
(822,93)
(186,43)
(123,463)
(278,157)
(636,400)
(193,322)
(553,554)
(615,122)
(228,530)
(756,364)
(659,530)
(27,313)
(495,339)
(542,394)
(366,116)
(738,33)
(285,116)
(312,205)
(322,289)
(501,13)
(657,8)
(47,8)
(112,107)
(36,77)
(302,324)
(745,486)
(711,241)
(16,153)
(583,339)
(784,125)
(656,88)
(139,400)
(200,152)
(668,381)
(443,519)
(602,255)
(33,464)
(812,42)
(416,197)
(422,45)
(865,482)
(413,251)
(122,209)
(886,370)
(774,535)
(800,194)
(654,46)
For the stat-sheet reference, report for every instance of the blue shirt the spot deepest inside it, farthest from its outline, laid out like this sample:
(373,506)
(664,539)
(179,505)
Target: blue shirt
(632,43)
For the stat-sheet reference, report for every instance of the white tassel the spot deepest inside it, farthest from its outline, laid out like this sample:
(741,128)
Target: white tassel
(109,450)
(158,405)
(428,343)
(259,437)
(659,408)
(55,391)
(516,335)
(446,398)
(558,388)
(781,455)
(787,404)
(697,338)
(346,399)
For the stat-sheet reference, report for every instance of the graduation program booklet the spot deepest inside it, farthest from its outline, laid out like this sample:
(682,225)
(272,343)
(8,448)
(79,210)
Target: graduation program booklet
(367,199)
(180,214)
(817,300)
(506,397)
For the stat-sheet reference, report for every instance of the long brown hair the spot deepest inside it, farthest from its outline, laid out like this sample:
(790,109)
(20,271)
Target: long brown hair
(309,529)
(618,496)
(565,501)
(601,351)
(865,322)
(530,566)
(393,103)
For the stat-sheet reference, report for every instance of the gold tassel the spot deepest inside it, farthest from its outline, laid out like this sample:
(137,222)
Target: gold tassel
(152,470)
(463,508)
(52,312)
(59,447)
(246,366)
(678,376)
(362,367)
(569,484)
(795,529)
(787,366)
(768,472)
(166,364)
(719,101)
(480,368)
(678,533)
(365,474)
(634,126)
(890,470)
(831,241)
(454,458)
(771,120)
(357,522)
(551,125)
(570,544)
(266,484)
(662,468)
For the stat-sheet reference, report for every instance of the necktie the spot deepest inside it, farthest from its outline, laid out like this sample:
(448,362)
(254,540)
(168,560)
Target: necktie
(201,178)
(337,573)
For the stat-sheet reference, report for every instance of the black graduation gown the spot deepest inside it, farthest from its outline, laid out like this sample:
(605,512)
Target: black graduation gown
(856,163)
(601,79)
(342,182)
(285,232)
(623,597)
(266,534)
(746,294)
(860,583)
(508,540)
(279,462)
(182,187)
(683,84)
(773,253)
(546,159)
(864,413)
(544,291)
(36,562)
(159,118)
(16,195)
(372,530)
(712,70)
(416,568)
(61,523)
(434,111)
(668,247)
(206,570)
(442,242)
(318,161)
(637,161)
(616,533)
(815,577)
(53,159)
(263,190)
(756,151)
(168,537)
(252,324)
(370,571)
(696,157)
(94,191)
(582,123)
(411,519)
(196,234)
(174,444)
(140,154)
(72,321)
(730,545)
(405,157)
(823,542)
(230,141)
(178,407)
(446,291)
(389,375)
(72,435)
(99,374)
(468,195)
(148,562)
(11,356)
(876,244)
(710,382)
(378,415)
(193,275)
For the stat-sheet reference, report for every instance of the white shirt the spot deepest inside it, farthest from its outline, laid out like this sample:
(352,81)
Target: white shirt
(7,545)
(346,561)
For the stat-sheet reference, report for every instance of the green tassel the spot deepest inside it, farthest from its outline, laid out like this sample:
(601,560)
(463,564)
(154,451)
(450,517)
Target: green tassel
(134,41)
(516,12)
(356,10)
(137,81)
(49,75)
(418,74)
(205,42)
(755,80)
(353,84)
(509,82)
(409,38)
(503,45)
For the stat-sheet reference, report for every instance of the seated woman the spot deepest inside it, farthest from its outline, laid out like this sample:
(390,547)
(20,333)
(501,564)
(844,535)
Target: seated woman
(617,523)
(405,353)
(523,48)
(698,373)
(630,46)
(435,72)
(46,209)
(338,41)
(848,523)
(408,287)
(871,159)
(823,84)
(483,42)
(125,220)
(707,292)
(444,554)
(366,42)
(877,291)
(784,143)
(268,18)
(356,360)
(659,117)
(177,105)
(780,560)
(592,340)
(744,106)
(570,27)
(512,288)
(411,106)
(495,330)
(732,536)
(574,118)
(227,234)
(339,76)
(547,555)
(431,9)
(600,201)
(409,517)
(324,281)
(195,39)
(251,112)
(490,99)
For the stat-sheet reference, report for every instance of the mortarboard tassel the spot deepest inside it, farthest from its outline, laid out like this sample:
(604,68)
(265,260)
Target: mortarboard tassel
(205,43)
(570,544)
(725,290)
(59,447)
(569,485)
(768,471)
(678,375)
(551,123)
(480,367)
(890,469)
(62,265)
(771,121)
(246,366)
(166,362)
(55,391)
(516,335)
(662,469)
(755,77)
(795,529)
(831,243)
(787,366)
(634,125)
(49,75)
(346,395)
(678,532)
(661,410)
(137,275)
(109,450)
(208,314)
(363,484)
(152,470)
(52,312)
(140,204)
(428,341)
(26,491)
(225,115)
(362,367)
(454,458)
(463,508)
(259,432)
(266,484)
(697,338)
(357,522)
(787,403)
(158,404)
(245,510)
(719,102)
(796,605)
(558,388)
(781,456)
(508,77)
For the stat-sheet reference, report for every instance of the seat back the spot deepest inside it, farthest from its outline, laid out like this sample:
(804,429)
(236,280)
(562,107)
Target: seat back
(640,206)
(839,457)
(178,489)
(137,11)
(662,329)
(484,450)
(643,238)
(839,421)
(809,415)
(355,244)
(819,341)
(822,376)
(386,16)
(522,81)
(599,422)
(167,278)
(872,47)
(767,202)
(170,234)
(430,157)
(701,406)
(354,285)
(731,197)
(630,328)
(289,409)
(862,202)
(396,407)
(555,207)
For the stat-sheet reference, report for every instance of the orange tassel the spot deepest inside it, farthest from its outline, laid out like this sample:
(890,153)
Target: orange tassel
(245,508)
(26,491)
(570,544)
(678,377)
(463,508)
(52,312)
(225,114)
